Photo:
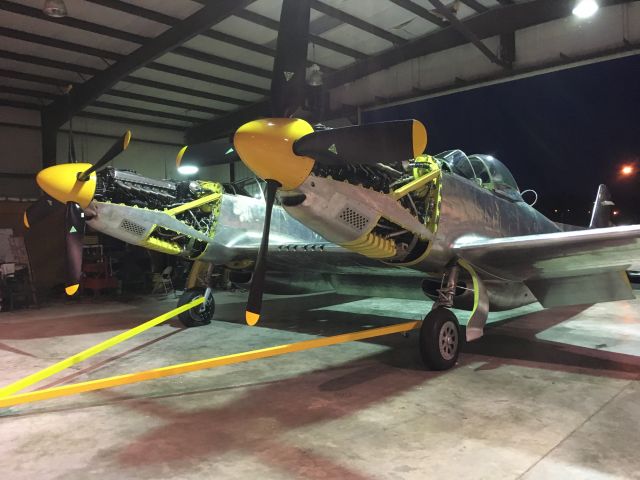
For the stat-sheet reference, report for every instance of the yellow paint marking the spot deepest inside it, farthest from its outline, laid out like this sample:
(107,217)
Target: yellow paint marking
(197,269)
(251,318)
(196,203)
(180,155)
(126,140)
(474,278)
(90,352)
(181,368)
(72,289)
(419,136)
(266,147)
(415,184)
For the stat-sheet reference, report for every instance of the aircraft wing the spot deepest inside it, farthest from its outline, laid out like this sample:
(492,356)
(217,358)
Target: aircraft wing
(562,268)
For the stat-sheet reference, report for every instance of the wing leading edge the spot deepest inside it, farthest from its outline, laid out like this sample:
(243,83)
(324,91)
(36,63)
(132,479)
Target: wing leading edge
(561,268)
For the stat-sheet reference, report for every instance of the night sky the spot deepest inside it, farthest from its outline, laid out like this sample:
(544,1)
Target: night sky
(560,133)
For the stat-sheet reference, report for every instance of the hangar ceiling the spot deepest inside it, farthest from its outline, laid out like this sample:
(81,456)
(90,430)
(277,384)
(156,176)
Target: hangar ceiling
(201,67)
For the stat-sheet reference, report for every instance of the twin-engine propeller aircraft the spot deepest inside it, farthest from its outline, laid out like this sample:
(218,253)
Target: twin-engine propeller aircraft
(456,218)
(362,210)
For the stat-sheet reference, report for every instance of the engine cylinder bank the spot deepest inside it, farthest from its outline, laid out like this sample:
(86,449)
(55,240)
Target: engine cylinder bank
(372,246)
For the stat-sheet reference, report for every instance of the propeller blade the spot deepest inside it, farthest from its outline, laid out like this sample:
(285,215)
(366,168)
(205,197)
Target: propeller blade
(74,233)
(39,210)
(254,304)
(119,146)
(382,142)
(288,84)
(214,152)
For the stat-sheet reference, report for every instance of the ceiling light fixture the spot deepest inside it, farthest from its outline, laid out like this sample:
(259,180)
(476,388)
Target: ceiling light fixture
(188,169)
(585,8)
(54,8)
(315,77)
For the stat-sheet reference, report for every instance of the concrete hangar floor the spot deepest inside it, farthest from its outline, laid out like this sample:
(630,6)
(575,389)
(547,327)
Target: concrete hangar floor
(545,394)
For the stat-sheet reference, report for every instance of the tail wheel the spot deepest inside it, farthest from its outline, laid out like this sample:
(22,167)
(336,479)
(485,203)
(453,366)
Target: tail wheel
(440,339)
(199,315)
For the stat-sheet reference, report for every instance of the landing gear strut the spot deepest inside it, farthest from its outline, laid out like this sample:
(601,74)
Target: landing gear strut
(440,338)
(202,314)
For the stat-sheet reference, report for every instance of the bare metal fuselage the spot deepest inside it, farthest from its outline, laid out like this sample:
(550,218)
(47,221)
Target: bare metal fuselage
(303,260)
(466,211)
(236,236)
(469,211)
(300,261)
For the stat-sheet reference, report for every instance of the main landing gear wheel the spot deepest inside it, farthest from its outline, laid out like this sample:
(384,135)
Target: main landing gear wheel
(197,316)
(440,339)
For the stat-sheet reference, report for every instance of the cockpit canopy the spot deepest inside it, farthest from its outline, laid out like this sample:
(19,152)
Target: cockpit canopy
(485,170)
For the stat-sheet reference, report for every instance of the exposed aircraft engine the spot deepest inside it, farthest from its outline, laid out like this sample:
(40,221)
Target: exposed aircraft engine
(399,232)
(126,186)
(369,176)
(174,217)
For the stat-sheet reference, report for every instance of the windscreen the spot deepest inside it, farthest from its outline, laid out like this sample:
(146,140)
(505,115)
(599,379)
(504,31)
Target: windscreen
(499,173)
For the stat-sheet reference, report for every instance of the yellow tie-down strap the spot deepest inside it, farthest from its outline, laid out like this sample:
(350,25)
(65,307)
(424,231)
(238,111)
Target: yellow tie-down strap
(181,368)
(90,352)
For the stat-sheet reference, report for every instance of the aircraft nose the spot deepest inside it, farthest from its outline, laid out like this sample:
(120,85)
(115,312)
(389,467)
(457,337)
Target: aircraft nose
(266,148)
(61,182)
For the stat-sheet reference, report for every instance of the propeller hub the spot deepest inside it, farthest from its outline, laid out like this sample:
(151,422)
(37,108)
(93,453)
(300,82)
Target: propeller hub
(61,182)
(266,148)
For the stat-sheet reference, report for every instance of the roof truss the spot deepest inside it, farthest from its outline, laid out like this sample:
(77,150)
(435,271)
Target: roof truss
(59,111)
(230,100)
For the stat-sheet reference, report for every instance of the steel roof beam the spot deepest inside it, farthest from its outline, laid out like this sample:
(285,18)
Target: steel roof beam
(138,11)
(508,48)
(205,77)
(132,38)
(96,116)
(48,62)
(27,92)
(145,111)
(171,21)
(127,120)
(475,5)
(30,77)
(344,17)
(493,22)
(90,134)
(59,111)
(466,32)
(189,91)
(504,74)
(164,101)
(71,22)
(211,59)
(56,43)
(5,102)
(274,25)
(74,47)
(420,11)
(72,67)
(496,21)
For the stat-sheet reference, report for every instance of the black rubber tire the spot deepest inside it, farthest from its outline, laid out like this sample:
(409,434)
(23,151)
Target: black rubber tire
(440,326)
(193,317)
